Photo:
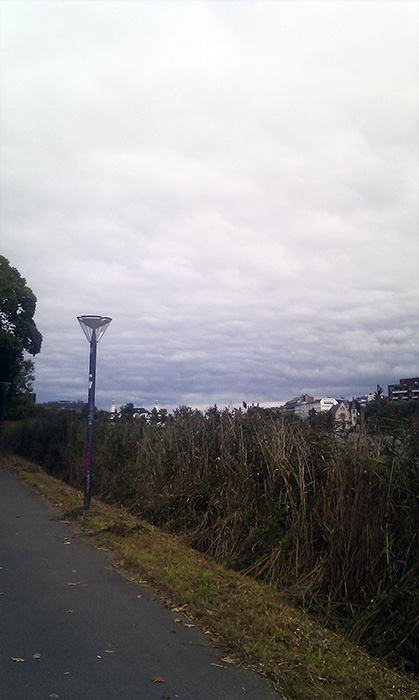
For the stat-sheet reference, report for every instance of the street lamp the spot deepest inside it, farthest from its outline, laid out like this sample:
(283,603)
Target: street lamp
(94,327)
(4,387)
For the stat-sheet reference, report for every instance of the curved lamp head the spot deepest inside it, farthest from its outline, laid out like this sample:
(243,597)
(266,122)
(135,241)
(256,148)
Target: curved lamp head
(94,323)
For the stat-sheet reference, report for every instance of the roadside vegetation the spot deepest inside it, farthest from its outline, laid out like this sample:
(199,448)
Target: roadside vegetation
(19,337)
(321,528)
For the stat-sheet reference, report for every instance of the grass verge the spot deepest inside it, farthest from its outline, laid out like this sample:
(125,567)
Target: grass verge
(249,621)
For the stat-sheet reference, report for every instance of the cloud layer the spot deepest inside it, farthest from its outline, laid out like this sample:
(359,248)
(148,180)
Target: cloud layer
(234,183)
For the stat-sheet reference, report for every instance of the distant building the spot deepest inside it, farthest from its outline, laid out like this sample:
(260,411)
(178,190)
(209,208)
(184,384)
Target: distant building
(346,414)
(303,408)
(132,412)
(406,389)
(290,406)
(364,399)
(65,405)
(141,413)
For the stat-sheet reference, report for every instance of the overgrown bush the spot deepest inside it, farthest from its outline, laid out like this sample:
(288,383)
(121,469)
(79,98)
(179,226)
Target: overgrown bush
(331,522)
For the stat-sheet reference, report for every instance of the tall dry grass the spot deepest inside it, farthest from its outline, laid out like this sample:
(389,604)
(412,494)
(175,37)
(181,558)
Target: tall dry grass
(332,522)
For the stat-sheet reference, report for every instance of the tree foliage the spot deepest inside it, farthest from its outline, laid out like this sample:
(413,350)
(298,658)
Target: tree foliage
(126,411)
(18,331)
(391,416)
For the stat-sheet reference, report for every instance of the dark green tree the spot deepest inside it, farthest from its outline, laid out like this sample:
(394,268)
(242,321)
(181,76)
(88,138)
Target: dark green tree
(183,411)
(127,411)
(158,416)
(18,331)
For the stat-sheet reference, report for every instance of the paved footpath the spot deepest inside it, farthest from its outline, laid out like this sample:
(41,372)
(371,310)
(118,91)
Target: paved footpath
(74,629)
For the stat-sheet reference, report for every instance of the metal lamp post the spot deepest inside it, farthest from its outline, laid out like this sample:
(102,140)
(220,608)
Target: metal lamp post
(94,327)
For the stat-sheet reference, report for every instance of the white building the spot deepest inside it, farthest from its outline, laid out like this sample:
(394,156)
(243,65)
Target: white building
(303,408)
(366,398)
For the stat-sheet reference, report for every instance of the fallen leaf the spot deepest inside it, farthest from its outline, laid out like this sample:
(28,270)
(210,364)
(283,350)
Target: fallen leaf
(189,625)
(54,695)
(109,651)
(228,660)
(36,656)
(139,595)
(70,611)
(19,661)
(74,584)
(158,679)
(178,620)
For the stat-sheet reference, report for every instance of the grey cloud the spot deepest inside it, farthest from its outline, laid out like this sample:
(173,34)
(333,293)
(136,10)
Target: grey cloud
(235,187)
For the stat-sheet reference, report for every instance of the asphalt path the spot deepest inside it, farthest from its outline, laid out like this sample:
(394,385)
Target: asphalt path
(74,629)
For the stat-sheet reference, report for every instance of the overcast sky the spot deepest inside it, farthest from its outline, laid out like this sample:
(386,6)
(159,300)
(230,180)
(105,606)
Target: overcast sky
(235,183)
